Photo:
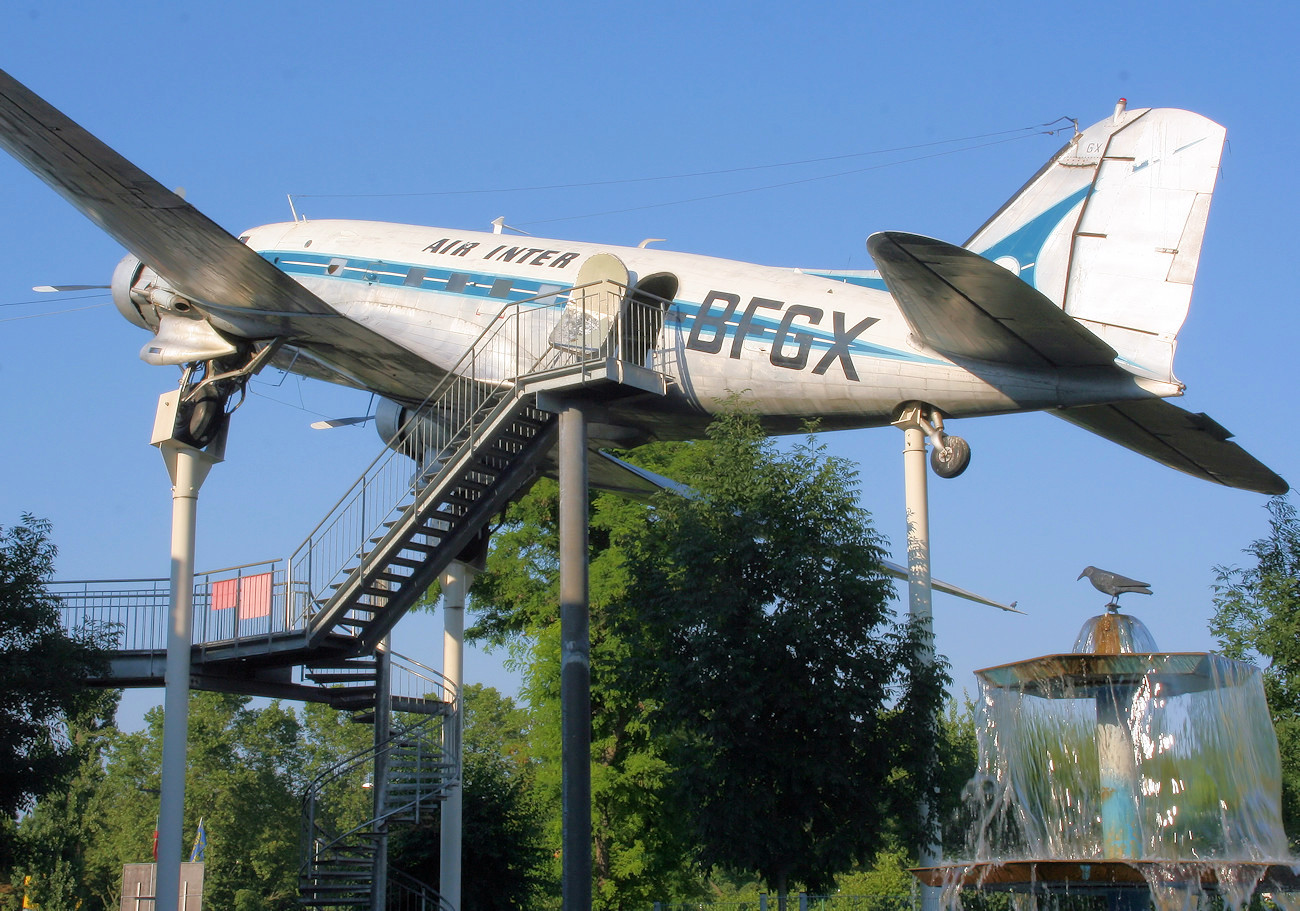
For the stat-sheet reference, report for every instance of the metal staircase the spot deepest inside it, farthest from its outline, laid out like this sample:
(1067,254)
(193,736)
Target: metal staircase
(454,463)
(408,772)
(476,442)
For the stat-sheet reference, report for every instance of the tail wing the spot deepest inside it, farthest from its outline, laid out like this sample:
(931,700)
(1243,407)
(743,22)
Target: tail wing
(1192,443)
(1105,241)
(1111,228)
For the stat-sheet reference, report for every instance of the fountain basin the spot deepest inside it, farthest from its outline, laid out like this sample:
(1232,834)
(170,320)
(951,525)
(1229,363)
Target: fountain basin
(1077,876)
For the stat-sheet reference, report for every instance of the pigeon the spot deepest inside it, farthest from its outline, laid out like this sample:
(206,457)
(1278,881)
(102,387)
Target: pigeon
(1113,584)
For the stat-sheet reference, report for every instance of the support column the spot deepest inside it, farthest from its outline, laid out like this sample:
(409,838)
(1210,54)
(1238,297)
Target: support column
(915,481)
(379,783)
(188,468)
(575,663)
(456,581)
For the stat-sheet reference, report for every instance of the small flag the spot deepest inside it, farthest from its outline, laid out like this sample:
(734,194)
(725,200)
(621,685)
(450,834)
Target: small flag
(200,844)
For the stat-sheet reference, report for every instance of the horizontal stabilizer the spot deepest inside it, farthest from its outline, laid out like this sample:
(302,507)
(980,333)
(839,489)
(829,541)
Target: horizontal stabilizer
(1192,443)
(961,304)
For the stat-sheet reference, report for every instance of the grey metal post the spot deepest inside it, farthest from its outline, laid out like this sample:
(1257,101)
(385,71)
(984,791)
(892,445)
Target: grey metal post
(919,591)
(575,664)
(188,468)
(383,718)
(456,580)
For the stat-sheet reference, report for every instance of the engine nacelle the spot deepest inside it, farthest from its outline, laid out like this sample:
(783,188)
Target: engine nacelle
(142,295)
(182,334)
(419,435)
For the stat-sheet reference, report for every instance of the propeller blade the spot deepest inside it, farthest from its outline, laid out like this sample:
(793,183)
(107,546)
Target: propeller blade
(340,422)
(49,289)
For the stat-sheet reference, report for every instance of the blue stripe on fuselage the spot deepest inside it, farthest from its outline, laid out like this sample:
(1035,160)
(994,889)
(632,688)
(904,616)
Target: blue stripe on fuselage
(404,275)
(480,285)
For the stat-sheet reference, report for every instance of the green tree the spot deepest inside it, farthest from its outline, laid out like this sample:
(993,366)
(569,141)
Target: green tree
(1257,616)
(744,668)
(958,762)
(642,852)
(42,672)
(54,839)
(503,845)
(771,666)
(244,779)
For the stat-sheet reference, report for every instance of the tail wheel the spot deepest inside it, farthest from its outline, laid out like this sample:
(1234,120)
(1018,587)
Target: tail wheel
(952,458)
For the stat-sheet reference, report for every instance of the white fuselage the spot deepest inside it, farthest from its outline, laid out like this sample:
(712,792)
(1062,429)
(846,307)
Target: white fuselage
(792,344)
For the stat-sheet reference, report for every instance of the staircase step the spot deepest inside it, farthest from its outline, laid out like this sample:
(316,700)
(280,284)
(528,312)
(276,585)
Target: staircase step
(360,676)
(347,664)
(403,561)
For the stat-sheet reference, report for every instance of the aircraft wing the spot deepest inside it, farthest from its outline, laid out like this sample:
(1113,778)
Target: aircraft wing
(196,256)
(610,473)
(962,304)
(1192,443)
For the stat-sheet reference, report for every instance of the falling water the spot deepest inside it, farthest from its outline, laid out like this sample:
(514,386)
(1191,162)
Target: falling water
(1162,767)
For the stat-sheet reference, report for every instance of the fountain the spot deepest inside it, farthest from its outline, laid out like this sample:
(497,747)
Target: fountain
(1121,771)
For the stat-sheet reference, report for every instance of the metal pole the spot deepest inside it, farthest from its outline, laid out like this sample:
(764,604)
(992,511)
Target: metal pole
(456,580)
(188,468)
(575,664)
(383,733)
(919,595)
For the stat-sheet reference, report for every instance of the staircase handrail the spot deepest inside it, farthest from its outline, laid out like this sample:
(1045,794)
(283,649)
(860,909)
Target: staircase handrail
(410,669)
(514,345)
(424,892)
(318,840)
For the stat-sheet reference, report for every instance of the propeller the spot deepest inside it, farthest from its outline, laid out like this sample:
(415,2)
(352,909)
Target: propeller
(54,289)
(331,423)
(340,422)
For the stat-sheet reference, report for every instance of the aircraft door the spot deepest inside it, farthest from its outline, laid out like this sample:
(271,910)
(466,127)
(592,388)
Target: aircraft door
(590,313)
(643,320)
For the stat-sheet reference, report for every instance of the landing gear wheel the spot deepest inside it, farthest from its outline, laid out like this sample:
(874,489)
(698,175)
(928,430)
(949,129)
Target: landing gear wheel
(200,420)
(950,460)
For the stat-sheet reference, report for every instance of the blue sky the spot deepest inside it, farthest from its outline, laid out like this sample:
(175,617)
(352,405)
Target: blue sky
(392,111)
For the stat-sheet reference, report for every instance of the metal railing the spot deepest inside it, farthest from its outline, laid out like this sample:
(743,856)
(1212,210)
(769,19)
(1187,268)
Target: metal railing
(412,680)
(570,334)
(231,605)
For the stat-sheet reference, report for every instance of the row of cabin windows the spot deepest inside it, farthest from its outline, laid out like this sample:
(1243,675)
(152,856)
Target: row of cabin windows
(457,282)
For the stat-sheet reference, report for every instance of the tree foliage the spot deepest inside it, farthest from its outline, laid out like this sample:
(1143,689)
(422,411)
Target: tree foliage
(771,663)
(42,672)
(1257,616)
(243,780)
(754,704)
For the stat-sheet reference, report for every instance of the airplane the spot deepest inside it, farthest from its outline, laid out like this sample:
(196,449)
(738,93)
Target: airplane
(1069,300)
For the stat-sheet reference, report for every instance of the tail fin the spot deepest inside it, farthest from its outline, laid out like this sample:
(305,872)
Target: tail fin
(1111,228)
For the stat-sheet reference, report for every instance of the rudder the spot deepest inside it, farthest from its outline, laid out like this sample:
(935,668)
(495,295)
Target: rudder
(1111,229)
